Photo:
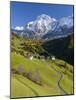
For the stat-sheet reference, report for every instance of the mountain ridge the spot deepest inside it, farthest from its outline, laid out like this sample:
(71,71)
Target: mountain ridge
(46,27)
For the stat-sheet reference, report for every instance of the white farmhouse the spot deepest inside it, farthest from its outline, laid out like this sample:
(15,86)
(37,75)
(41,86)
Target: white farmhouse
(31,57)
(53,58)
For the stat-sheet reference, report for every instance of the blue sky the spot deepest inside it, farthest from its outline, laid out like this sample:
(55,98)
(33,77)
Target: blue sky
(22,12)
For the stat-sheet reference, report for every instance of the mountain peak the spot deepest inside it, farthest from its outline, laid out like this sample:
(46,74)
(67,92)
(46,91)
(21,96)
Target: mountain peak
(41,25)
(45,26)
(68,21)
(46,18)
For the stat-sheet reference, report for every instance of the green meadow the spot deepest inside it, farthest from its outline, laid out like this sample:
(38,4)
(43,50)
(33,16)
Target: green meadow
(37,76)
(22,86)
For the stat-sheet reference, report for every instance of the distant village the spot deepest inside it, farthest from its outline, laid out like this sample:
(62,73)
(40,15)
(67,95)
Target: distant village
(31,56)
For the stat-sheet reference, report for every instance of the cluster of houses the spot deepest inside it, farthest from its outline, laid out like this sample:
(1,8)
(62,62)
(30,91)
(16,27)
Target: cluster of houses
(31,56)
(41,56)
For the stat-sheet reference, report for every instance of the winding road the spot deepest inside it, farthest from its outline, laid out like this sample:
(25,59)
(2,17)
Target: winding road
(59,81)
(61,77)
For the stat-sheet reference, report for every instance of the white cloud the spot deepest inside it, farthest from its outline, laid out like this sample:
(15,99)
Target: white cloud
(19,28)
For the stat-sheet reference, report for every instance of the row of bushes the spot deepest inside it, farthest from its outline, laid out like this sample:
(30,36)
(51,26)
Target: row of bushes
(33,76)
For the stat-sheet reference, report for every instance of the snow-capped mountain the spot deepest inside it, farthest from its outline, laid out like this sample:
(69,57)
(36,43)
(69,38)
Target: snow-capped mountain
(46,27)
(61,28)
(41,25)
(68,21)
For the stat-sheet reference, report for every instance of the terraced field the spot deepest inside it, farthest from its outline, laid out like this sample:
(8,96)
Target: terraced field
(55,80)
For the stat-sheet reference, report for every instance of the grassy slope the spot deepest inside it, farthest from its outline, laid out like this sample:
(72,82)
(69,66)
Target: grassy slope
(67,81)
(48,74)
(19,89)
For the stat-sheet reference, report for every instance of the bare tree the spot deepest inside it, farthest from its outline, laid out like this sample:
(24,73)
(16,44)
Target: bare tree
(37,77)
(21,69)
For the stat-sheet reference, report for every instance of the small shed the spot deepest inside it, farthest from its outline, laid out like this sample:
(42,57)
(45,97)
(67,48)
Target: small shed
(53,58)
(30,57)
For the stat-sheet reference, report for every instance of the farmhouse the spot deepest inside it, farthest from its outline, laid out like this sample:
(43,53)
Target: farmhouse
(53,58)
(30,56)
